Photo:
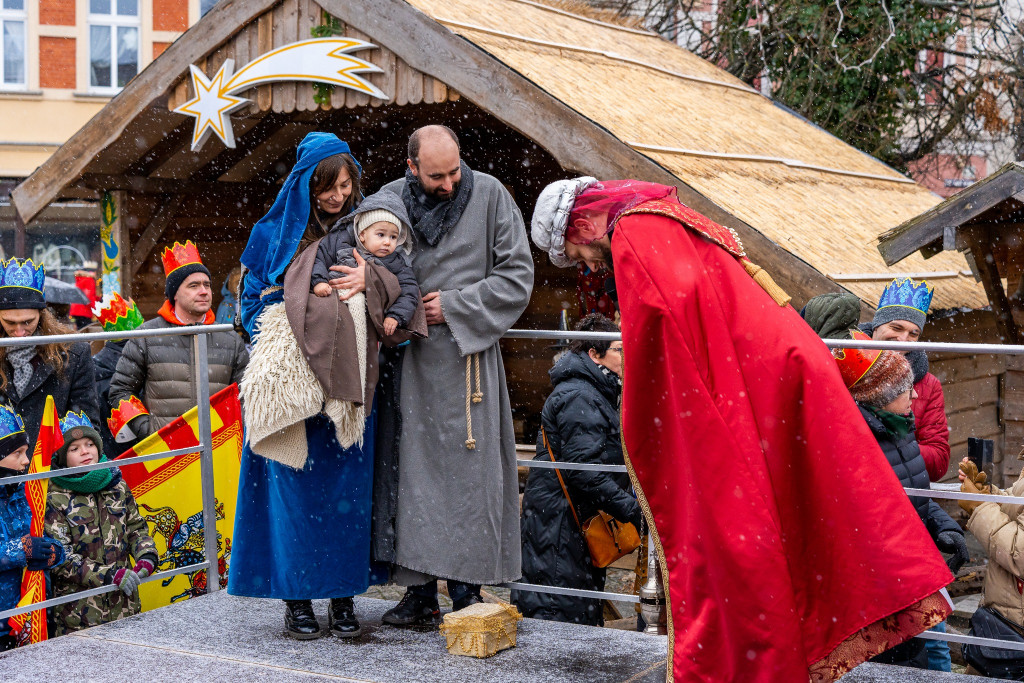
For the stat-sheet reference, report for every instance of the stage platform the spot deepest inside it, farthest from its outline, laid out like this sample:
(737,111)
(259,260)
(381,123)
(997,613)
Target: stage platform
(223,638)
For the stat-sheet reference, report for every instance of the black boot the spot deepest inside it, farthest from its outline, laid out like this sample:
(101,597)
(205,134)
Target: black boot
(299,621)
(463,594)
(341,618)
(414,611)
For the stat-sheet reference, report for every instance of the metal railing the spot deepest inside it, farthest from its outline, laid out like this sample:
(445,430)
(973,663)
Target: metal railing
(200,362)
(210,562)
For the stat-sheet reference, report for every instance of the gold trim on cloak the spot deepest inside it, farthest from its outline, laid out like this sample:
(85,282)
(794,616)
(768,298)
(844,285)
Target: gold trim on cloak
(653,531)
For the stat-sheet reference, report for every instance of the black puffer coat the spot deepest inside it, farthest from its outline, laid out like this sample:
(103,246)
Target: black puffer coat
(581,419)
(906,460)
(73,389)
(159,371)
(106,362)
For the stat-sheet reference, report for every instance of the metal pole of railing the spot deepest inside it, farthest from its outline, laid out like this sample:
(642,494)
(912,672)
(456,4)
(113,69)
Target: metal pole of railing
(201,359)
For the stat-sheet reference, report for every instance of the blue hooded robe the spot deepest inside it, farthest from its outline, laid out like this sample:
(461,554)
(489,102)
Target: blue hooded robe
(299,534)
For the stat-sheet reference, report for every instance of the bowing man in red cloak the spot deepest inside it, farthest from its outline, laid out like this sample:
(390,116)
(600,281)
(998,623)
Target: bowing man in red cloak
(790,550)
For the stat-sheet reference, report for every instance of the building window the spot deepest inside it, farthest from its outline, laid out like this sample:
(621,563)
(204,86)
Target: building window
(113,43)
(12,47)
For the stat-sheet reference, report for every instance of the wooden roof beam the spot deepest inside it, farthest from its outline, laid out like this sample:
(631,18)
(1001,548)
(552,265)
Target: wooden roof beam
(928,228)
(981,250)
(269,125)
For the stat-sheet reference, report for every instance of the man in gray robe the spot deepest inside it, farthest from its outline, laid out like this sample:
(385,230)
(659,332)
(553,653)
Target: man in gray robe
(453,512)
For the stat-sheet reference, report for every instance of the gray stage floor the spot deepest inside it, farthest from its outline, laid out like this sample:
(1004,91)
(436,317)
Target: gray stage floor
(224,638)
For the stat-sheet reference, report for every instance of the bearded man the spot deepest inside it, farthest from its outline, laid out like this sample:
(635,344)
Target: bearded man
(159,370)
(790,551)
(446,422)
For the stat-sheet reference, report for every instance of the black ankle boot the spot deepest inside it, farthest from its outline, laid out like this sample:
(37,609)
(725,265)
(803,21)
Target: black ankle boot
(462,603)
(299,621)
(414,611)
(341,618)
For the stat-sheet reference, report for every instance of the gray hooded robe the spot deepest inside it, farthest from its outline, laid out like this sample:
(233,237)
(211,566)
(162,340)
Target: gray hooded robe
(457,514)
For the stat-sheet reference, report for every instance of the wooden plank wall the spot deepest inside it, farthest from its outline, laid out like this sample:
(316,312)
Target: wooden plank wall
(983,397)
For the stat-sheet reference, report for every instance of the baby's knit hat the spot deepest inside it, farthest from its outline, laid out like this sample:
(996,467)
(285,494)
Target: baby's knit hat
(889,376)
(365,220)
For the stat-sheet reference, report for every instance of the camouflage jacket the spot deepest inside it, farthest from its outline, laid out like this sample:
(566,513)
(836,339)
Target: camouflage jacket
(101,533)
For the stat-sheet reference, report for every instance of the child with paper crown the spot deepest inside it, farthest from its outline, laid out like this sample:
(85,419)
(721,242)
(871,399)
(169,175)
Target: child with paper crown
(95,516)
(18,550)
(379,231)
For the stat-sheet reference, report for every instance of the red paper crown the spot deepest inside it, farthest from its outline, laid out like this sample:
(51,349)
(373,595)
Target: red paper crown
(179,255)
(125,412)
(855,363)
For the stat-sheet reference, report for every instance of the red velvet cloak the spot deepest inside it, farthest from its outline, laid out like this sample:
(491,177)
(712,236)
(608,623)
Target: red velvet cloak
(792,552)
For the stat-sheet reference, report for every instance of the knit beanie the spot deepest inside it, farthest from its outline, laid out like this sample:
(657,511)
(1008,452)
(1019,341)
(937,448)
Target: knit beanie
(365,220)
(12,442)
(60,456)
(176,278)
(888,377)
(904,299)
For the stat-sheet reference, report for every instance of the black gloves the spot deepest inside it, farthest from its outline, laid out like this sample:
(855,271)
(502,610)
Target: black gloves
(953,544)
(41,552)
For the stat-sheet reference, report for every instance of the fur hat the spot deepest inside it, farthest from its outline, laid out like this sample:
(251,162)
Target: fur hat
(888,377)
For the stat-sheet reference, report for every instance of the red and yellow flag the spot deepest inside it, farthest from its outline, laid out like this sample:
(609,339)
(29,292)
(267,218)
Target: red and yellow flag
(169,496)
(30,627)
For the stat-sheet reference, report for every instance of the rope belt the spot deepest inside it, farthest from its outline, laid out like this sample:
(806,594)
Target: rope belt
(472,362)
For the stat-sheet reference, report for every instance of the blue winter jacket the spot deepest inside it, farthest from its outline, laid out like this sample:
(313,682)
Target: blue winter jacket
(14,521)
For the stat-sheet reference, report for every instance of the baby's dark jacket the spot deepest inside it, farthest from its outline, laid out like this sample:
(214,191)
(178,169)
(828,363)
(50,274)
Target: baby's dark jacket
(336,250)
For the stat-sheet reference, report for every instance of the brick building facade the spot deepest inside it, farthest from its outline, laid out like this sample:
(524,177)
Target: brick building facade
(60,62)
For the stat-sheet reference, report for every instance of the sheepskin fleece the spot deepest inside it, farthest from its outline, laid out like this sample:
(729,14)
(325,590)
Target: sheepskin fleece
(280,391)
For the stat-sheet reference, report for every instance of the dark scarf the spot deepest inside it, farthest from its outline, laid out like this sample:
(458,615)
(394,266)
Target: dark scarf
(431,217)
(88,482)
(898,426)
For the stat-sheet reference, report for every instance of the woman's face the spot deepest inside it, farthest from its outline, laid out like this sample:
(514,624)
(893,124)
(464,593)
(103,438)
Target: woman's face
(612,359)
(333,198)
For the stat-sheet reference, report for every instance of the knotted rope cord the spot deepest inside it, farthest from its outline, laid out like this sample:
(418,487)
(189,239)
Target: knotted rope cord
(472,396)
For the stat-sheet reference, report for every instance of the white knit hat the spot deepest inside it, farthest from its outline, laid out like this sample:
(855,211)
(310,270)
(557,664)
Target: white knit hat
(365,220)
(551,217)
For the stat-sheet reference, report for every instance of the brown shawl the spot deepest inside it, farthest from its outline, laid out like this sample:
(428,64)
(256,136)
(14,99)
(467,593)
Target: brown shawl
(324,331)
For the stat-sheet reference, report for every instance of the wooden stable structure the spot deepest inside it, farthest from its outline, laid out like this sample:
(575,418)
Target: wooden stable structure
(535,93)
(985,223)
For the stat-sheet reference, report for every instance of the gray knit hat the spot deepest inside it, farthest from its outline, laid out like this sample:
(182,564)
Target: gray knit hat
(904,299)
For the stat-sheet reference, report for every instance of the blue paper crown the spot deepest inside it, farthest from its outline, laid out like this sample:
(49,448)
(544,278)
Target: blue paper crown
(72,420)
(22,273)
(10,422)
(905,292)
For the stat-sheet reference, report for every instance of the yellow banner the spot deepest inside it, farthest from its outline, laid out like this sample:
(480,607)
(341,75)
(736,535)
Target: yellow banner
(169,496)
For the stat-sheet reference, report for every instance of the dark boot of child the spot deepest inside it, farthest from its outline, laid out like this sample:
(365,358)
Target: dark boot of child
(341,618)
(299,621)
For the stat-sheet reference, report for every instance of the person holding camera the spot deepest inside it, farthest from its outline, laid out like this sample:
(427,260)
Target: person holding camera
(580,423)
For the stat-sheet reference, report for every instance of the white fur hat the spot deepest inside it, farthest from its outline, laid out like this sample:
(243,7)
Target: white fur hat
(551,217)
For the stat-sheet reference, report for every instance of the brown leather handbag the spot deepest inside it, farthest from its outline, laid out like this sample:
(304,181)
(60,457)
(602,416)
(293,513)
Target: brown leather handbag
(607,538)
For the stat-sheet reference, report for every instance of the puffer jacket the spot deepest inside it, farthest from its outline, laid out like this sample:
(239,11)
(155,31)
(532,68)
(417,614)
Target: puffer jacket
(904,457)
(15,516)
(1000,530)
(581,419)
(929,408)
(930,417)
(105,362)
(73,389)
(159,371)
(101,533)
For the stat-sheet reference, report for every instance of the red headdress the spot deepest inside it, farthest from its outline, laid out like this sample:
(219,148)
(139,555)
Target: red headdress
(615,197)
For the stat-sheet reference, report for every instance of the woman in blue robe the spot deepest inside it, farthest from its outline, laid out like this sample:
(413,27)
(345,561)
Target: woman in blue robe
(303,534)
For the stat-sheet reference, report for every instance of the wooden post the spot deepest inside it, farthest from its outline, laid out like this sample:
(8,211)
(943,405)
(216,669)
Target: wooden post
(113,242)
(19,235)
(981,250)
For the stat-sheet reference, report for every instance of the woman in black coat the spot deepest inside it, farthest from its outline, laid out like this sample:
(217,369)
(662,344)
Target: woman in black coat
(581,419)
(29,374)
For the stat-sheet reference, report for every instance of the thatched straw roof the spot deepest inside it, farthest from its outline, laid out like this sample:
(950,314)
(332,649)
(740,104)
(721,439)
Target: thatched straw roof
(811,193)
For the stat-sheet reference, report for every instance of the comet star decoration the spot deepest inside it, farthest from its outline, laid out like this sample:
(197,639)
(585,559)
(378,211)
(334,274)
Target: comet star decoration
(321,60)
